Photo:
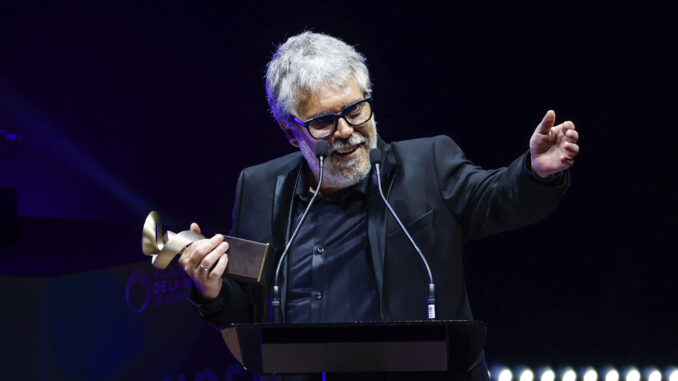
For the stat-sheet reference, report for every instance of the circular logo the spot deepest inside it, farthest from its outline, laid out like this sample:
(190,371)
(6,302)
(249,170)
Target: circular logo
(138,291)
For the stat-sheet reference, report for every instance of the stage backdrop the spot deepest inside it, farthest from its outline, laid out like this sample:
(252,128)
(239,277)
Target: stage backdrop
(121,323)
(128,106)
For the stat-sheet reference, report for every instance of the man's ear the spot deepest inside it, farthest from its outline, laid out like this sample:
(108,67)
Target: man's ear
(289,134)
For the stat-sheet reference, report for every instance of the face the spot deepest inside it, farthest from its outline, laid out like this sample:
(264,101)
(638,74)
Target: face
(348,161)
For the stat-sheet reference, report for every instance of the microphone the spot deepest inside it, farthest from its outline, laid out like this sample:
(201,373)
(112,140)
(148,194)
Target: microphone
(375,159)
(321,151)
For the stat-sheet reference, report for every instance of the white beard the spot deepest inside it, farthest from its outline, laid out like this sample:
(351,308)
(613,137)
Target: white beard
(351,172)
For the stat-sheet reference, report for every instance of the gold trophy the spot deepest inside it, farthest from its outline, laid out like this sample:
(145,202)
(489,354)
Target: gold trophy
(245,258)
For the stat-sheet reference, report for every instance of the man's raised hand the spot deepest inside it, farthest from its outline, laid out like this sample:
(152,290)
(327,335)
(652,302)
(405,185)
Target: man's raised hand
(553,148)
(205,261)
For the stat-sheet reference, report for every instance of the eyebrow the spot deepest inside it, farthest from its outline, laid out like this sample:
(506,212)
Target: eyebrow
(331,113)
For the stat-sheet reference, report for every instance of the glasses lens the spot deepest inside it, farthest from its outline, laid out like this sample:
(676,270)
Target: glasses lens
(322,126)
(358,113)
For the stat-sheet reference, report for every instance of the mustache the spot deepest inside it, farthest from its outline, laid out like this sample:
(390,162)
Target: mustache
(352,140)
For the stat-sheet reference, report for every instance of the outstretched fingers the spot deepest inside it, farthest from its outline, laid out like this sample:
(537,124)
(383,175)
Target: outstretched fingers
(572,135)
(567,161)
(571,148)
(570,151)
(546,123)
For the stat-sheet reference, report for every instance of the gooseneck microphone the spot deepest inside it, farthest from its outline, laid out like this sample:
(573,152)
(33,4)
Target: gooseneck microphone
(375,159)
(322,149)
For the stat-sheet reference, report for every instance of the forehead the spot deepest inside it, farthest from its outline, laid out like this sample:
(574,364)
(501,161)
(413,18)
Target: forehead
(329,99)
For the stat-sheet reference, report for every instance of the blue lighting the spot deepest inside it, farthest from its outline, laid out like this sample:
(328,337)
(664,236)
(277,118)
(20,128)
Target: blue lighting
(10,136)
(45,134)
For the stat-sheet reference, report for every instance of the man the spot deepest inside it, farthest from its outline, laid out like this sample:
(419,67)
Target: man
(350,261)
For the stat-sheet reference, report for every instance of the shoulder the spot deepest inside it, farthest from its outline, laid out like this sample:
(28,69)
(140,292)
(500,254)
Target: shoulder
(424,143)
(428,147)
(272,168)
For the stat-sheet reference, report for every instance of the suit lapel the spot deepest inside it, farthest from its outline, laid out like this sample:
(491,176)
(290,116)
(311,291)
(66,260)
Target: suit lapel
(282,196)
(376,217)
(280,224)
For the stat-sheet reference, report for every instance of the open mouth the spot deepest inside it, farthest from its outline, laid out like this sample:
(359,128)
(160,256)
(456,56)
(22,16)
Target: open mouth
(345,151)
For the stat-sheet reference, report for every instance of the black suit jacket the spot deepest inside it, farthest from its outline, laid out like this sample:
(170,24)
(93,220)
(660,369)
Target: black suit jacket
(442,198)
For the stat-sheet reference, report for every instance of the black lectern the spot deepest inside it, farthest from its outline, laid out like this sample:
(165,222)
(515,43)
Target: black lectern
(421,346)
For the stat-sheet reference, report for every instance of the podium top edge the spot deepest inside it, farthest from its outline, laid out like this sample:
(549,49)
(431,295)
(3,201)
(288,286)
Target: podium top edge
(417,323)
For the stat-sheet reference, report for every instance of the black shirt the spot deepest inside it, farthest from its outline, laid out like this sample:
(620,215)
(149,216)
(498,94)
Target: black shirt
(330,276)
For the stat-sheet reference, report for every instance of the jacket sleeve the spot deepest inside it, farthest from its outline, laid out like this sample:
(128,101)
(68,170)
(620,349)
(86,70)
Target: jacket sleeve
(490,201)
(233,303)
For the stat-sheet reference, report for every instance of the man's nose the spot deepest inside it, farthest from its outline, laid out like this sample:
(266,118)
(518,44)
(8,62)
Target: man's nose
(344,130)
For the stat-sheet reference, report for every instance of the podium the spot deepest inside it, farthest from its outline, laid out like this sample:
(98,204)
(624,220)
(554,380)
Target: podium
(419,346)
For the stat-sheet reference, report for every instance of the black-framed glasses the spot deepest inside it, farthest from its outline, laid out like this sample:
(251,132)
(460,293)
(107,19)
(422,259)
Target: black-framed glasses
(325,125)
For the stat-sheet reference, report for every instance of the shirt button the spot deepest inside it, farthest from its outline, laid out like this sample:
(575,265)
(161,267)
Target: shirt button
(320,250)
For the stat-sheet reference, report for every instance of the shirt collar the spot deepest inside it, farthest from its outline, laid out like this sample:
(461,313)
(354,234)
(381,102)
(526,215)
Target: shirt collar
(302,188)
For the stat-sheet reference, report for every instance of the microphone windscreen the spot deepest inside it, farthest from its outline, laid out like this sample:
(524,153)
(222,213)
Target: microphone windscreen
(375,156)
(322,148)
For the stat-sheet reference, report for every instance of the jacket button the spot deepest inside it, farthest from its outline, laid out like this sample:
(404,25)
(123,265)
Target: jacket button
(318,295)
(320,250)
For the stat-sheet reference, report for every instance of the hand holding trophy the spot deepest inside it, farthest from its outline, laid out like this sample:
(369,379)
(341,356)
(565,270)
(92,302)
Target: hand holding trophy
(245,258)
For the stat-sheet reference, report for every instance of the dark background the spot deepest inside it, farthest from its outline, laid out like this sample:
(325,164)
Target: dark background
(131,106)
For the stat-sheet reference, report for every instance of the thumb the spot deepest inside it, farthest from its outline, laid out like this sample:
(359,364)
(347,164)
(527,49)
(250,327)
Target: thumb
(549,120)
(195,227)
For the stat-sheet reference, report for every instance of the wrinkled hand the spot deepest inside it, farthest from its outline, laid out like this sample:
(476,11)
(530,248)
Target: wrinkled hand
(553,149)
(205,261)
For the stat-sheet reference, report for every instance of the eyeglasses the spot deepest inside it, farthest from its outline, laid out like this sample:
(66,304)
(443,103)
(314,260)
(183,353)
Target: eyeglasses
(325,125)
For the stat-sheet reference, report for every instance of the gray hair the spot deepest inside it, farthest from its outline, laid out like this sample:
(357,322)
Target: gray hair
(308,62)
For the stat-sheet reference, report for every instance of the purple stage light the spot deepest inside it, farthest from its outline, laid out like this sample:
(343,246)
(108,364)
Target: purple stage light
(45,134)
(7,135)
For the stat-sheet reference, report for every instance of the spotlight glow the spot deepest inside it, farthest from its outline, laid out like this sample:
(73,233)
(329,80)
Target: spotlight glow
(612,375)
(548,375)
(590,375)
(632,375)
(606,372)
(505,375)
(654,375)
(570,375)
(526,375)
